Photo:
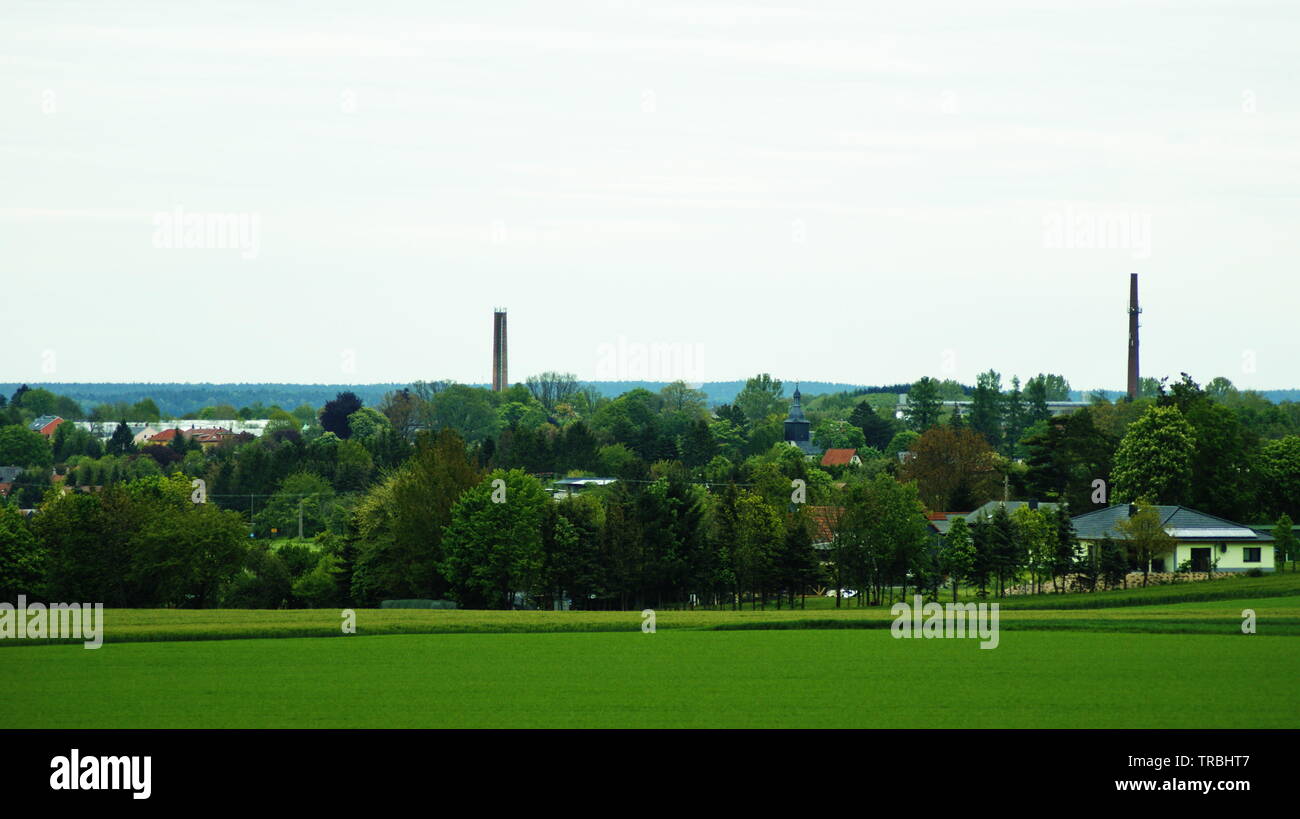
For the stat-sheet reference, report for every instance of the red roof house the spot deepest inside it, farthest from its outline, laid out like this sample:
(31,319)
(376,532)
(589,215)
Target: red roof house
(841,457)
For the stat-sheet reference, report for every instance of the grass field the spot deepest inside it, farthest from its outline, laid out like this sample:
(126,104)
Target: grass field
(668,679)
(1167,657)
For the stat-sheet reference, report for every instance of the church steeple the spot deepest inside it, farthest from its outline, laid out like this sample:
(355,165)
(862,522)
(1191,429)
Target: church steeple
(796,408)
(797,428)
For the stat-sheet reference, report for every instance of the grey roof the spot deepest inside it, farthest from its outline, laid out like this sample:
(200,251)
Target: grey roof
(1179,521)
(941,526)
(806,447)
(988,509)
(9,474)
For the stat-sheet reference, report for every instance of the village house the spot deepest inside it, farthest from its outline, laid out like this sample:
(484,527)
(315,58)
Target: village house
(1201,542)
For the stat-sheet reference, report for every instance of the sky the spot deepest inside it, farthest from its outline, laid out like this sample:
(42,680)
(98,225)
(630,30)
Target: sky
(853,192)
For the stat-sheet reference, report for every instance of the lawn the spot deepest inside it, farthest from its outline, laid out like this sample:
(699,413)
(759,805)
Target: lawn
(1194,608)
(673,678)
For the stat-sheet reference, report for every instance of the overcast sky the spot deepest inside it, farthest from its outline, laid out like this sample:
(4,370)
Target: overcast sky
(852,192)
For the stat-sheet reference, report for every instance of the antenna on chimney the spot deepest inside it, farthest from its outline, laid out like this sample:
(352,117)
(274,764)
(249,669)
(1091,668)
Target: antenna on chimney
(1133,311)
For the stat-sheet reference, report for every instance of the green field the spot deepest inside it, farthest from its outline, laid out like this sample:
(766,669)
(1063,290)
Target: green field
(667,679)
(1167,657)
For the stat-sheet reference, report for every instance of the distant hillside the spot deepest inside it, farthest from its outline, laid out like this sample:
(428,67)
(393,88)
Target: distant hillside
(179,399)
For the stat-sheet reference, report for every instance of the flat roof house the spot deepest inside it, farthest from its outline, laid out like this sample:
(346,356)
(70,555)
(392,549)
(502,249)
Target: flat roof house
(1204,541)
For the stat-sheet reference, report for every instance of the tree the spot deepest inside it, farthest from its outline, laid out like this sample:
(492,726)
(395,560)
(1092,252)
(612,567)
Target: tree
(551,388)
(20,446)
(402,408)
(797,565)
(183,553)
(1065,456)
(876,430)
(466,410)
(334,415)
(1154,459)
(1221,460)
(698,446)
(1035,532)
(732,413)
(759,534)
(680,397)
(1008,553)
(493,543)
(122,442)
(1220,389)
(1278,467)
(924,404)
(572,564)
(957,554)
(1113,563)
(946,463)
(1036,399)
(1285,541)
(761,397)
(22,559)
(398,525)
(1146,536)
(833,434)
(1014,419)
(901,442)
(1066,548)
(303,496)
(987,407)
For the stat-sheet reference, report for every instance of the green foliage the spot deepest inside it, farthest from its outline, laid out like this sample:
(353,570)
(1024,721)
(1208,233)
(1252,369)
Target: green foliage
(832,434)
(902,442)
(20,446)
(957,553)
(139,543)
(877,429)
(22,559)
(1285,542)
(1279,476)
(1154,460)
(399,523)
(1145,536)
(493,542)
(761,397)
(468,411)
(302,491)
(924,405)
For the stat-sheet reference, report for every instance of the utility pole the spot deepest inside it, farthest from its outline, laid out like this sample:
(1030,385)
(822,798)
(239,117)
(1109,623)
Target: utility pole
(300,500)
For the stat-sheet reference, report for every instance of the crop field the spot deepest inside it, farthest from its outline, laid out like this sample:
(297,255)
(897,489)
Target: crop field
(845,678)
(1167,657)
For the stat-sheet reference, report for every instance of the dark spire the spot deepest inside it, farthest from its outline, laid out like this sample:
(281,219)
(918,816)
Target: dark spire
(796,407)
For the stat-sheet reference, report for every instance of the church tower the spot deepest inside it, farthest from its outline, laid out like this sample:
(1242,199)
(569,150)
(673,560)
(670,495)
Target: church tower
(798,429)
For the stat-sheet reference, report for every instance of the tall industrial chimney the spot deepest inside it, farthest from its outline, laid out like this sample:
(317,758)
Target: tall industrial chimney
(499,379)
(1133,311)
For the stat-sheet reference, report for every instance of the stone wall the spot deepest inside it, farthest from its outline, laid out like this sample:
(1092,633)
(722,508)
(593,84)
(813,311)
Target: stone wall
(1071,583)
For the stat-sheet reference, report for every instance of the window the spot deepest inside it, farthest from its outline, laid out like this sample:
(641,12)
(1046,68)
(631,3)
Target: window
(1251,554)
